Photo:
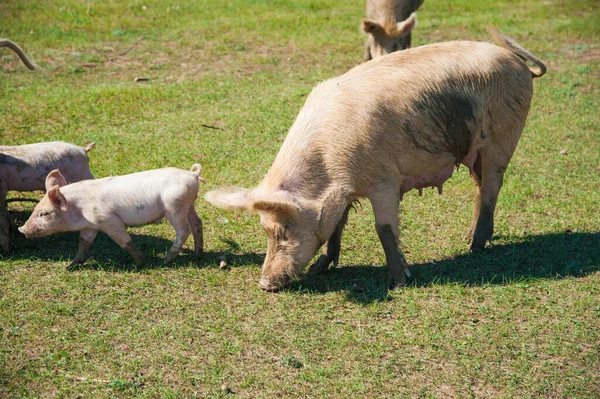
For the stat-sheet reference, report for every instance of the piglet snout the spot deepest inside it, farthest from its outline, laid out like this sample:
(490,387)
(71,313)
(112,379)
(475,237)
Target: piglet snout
(24,230)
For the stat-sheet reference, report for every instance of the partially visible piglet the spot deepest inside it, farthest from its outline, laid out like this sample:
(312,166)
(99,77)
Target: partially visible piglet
(113,203)
(389,24)
(25,167)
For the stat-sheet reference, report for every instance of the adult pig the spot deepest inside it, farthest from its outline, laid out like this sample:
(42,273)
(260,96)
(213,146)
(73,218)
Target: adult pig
(25,167)
(113,203)
(398,123)
(389,24)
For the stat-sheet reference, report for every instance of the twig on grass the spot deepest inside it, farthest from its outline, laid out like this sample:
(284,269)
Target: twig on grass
(132,46)
(211,127)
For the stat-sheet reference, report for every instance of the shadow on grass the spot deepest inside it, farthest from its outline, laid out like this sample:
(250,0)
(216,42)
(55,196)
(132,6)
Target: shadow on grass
(551,256)
(105,254)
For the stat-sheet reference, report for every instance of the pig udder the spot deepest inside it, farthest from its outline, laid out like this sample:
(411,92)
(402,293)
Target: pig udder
(437,179)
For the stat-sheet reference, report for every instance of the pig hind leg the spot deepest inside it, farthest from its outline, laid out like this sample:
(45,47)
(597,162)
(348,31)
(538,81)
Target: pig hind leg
(196,225)
(86,238)
(182,228)
(488,174)
(332,252)
(385,208)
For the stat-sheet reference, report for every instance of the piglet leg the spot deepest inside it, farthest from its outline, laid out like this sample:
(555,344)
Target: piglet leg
(196,225)
(183,230)
(5,233)
(122,237)
(86,237)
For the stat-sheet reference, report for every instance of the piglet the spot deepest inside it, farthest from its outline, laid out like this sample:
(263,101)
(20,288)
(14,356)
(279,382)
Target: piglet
(113,203)
(25,167)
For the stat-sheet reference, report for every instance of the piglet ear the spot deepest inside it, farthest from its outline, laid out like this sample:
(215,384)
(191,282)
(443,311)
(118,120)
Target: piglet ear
(55,178)
(407,25)
(229,198)
(56,198)
(370,26)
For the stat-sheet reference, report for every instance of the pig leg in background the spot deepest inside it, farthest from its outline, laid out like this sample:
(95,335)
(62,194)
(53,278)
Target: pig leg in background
(122,237)
(196,224)
(332,252)
(86,238)
(5,230)
(385,208)
(182,228)
(488,180)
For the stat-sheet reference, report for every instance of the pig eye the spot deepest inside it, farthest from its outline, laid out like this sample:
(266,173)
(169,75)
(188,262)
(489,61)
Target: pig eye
(43,214)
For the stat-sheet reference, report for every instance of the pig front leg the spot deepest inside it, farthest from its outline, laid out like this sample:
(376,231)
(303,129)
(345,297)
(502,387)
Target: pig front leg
(385,208)
(122,237)
(332,252)
(86,238)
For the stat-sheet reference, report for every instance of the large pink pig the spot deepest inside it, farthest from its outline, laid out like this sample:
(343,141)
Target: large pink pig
(113,203)
(396,123)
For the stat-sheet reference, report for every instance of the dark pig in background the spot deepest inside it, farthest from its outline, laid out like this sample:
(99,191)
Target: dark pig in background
(388,126)
(389,24)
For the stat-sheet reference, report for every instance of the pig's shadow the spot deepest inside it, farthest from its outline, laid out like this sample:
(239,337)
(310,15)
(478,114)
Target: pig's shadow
(106,254)
(549,256)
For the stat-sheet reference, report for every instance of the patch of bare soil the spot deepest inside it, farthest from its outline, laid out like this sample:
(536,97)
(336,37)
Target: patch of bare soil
(582,51)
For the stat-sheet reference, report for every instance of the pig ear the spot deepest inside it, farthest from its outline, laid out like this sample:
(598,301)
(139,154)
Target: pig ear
(56,198)
(407,25)
(280,209)
(370,26)
(229,198)
(55,178)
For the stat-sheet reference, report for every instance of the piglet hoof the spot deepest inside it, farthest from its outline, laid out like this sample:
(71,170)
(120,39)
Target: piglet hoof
(170,257)
(74,265)
(320,266)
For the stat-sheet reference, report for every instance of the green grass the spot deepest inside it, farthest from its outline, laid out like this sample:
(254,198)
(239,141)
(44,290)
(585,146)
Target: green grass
(520,319)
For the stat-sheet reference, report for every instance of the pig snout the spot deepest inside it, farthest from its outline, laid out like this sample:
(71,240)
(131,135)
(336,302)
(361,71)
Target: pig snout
(30,230)
(26,231)
(268,285)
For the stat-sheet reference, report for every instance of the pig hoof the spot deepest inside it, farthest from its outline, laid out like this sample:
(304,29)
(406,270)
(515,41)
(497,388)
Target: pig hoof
(140,261)
(320,266)
(396,280)
(170,257)
(477,244)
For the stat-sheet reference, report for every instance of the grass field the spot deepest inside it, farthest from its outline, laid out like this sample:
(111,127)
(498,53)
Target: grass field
(226,80)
